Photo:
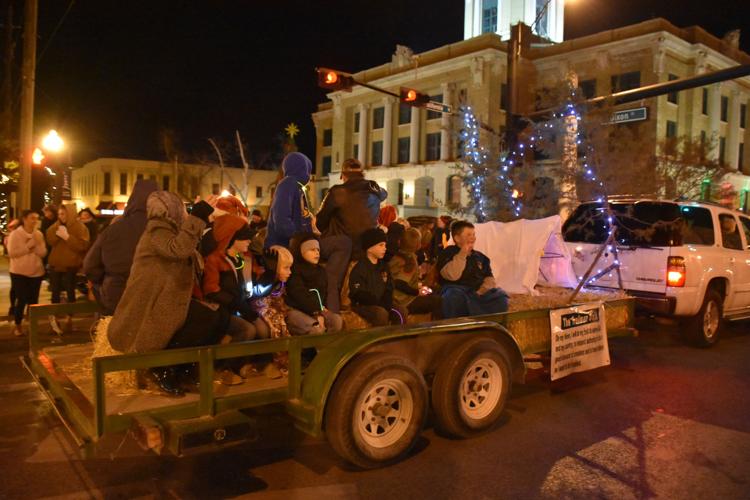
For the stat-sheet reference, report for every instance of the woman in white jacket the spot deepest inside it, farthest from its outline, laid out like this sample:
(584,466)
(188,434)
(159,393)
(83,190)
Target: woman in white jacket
(26,249)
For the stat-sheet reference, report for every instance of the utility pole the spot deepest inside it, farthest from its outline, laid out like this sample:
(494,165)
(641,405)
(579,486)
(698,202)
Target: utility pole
(28,76)
(6,89)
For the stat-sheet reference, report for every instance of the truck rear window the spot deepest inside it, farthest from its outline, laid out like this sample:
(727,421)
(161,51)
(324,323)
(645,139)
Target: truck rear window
(646,223)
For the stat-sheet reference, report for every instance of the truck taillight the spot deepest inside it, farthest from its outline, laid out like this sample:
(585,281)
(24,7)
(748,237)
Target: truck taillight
(676,271)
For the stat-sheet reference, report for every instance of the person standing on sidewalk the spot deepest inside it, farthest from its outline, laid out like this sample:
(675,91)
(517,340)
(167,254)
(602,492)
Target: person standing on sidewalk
(69,240)
(26,249)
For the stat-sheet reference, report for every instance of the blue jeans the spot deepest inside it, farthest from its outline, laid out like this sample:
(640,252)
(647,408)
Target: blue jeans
(461,301)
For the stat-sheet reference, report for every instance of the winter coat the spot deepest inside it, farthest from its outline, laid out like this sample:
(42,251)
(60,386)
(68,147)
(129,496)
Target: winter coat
(307,287)
(156,298)
(350,208)
(290,210)
(26,251)
(371,284)
(107,263)
(223,280)
(68,254)
(405,273)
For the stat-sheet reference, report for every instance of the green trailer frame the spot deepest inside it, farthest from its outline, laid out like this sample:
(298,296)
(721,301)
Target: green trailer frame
(305,392)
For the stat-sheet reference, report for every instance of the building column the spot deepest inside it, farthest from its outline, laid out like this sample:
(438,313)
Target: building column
(714,119)
(446,133)
(414,133)
(388,102)
(733,130)
(362,144)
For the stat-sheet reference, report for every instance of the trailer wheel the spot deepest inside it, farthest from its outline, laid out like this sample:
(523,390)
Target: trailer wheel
(376,410)
(470,387)
(703,329)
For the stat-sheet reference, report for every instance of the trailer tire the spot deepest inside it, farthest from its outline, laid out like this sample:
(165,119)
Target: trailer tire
(376,410)
(463,406)
(704,328)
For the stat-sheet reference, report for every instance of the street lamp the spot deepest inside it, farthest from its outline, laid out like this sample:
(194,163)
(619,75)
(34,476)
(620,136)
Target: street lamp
(52,142)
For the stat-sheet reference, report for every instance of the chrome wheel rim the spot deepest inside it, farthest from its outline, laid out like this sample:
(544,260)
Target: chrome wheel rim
(711,320)
(385,412)
(480,389)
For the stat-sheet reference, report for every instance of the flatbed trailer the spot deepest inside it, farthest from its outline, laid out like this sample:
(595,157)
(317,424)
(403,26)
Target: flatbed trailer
(368,391)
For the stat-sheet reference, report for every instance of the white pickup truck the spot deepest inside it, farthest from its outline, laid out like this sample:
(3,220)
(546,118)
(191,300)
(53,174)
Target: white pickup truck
(689,260)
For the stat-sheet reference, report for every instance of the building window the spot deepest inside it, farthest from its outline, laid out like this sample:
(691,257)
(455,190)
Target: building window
(400,197)
(107,183)
(671,129)
(740,158)
(356,122)
(588,88)
(704,102)
(489,16)
(327,137)
(404,144)
(431,115)
(743,115)
(722,150)
(215,189)
(404,114)
(326,165)
(542,14)
(433,146)
(123,184)
(626,81)
(355,151)
(724,108)
(377,153)
(672,96)
(378,118)
(259,191)
(454,190)
(503,96)
(165,183)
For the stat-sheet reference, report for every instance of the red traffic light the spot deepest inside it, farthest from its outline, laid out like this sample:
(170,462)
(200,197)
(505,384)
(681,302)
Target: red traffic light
(413,97)
(330,79)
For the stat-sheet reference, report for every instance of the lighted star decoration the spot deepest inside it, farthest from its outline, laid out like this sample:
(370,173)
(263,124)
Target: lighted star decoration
(292,130)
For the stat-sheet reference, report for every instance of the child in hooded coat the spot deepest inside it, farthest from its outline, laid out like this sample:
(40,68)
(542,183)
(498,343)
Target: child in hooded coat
(408,290)
(306,290)
(224,282)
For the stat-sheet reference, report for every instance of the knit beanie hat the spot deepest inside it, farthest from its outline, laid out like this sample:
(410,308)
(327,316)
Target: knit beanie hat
(410,241)
(300,239)
(372,237)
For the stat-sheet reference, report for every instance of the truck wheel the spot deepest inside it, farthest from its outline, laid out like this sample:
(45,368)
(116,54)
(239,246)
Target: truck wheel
(376,410)
(470,387)
(703,329)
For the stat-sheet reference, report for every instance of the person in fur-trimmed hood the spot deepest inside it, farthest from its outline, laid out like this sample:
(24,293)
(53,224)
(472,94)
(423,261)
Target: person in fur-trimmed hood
(408,291)
(155,302)
(306,290)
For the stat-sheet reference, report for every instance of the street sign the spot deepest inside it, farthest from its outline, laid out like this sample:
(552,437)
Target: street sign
(629,115)
(438,107)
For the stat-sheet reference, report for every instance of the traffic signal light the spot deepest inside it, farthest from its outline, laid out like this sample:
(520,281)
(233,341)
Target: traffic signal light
(37,157)
(413,97)
(330,79)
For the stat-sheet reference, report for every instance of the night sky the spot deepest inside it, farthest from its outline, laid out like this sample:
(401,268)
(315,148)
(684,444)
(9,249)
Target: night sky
(118,72)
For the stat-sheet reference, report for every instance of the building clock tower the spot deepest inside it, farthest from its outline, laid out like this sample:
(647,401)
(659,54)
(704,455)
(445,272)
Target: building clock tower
(497,16)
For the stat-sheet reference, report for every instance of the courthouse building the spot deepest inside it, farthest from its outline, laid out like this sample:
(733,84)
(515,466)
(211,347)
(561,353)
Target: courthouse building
(414,153)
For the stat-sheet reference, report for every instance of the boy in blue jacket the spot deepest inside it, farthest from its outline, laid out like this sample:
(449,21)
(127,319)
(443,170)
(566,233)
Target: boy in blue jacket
(290,209)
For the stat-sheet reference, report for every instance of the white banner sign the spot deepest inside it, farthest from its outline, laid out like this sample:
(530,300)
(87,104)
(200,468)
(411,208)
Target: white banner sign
(579,339)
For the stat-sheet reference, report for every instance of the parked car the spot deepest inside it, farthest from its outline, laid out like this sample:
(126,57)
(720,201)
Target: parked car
(688,260)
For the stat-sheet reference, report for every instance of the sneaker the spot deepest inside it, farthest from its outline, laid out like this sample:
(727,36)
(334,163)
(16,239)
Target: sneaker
(55,325)
(228,377)
(18,331)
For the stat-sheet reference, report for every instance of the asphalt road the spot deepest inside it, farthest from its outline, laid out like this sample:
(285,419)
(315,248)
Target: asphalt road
(665,420)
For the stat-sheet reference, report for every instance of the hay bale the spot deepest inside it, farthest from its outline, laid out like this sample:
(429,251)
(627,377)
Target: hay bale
(122,382)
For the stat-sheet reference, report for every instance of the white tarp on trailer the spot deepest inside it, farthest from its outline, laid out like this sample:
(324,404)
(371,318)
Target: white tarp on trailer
(525,253)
